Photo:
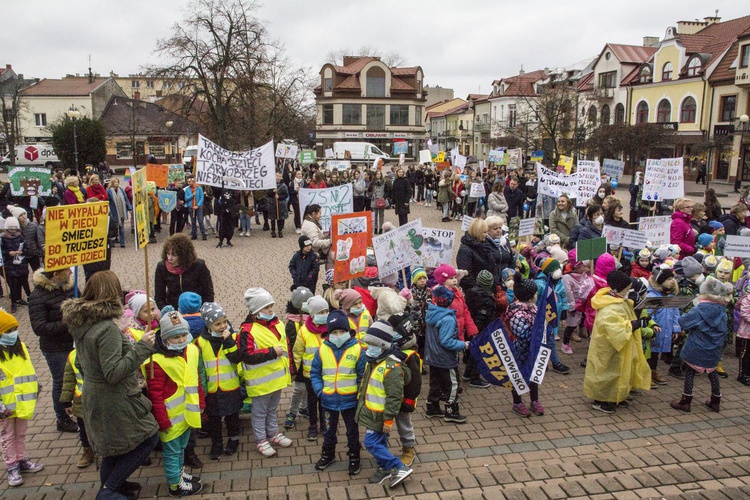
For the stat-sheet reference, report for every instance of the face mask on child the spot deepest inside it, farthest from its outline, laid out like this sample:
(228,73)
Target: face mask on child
(320,319)
(9,338)
(181,345)
(356,311)
(339,339)
(266,317)
(373,351)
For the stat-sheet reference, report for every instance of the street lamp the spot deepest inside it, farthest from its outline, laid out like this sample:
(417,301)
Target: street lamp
(75,115)
(171,148)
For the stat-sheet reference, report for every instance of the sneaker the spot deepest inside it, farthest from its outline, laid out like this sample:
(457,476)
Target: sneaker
(603,407)
(67,425)
(354,466)
(398,475)
(15,479)
(265,448)
(217,449)
(204,237)
(557,338)
(312,435)
(281,440)
(298,231)
(22,302)
(304,412)
(465,377)
(29,466)
(537,408)
(291,418)
(520,409)
(744,380)
(566,349)
(623,404)
(231,446)
(185,488)
(324,461)
(380,476)
(576,338)
(479,383)
(189,477)
(561,368)
(434,411)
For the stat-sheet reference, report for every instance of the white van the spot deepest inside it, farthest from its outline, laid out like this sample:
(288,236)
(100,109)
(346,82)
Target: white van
(358,151)
(188,158)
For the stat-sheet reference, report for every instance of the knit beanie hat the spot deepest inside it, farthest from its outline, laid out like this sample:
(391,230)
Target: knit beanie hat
(507,273)
(644,254)
(662,274)
(709,263)
(618,280)
(172,324)
(442,296)
(558,254)
(300,296)
(379,334)
(405,324)
(716,287)
(662,253)
(705,240)
(17,212)
(389,302)
(8,323)
(189,303)
(346,298)
(257,298)
(553,240)
(690,267)
(337,320)
(524,289)
(485,279)
(12,223)
(137,302)
(725,265)
(317,304)
(304,241)
(329,277)
(549,266)
(699,257)
(211,312)
(443,272)
(714,224)
(416,273)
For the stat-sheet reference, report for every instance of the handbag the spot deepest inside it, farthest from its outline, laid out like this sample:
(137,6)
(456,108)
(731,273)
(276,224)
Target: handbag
(379,202)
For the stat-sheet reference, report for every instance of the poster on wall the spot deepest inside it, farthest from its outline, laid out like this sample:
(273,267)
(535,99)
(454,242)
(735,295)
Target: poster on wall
(351,234)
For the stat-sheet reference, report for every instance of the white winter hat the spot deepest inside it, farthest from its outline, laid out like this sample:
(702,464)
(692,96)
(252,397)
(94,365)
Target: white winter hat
(257,298)
(389,302)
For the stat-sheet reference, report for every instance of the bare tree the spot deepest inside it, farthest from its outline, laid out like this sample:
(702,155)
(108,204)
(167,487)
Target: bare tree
(11,105)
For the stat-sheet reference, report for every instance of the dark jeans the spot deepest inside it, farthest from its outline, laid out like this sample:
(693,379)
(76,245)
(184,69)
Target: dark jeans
(314,408)
(82,433)
(403,219)
(34,263)
(420,192)
(56,362)
(352,432)
(196,219)
(533,392)
(471,371)
(279,222)
(18,284)
(177,221)
(213,426)
(114,471)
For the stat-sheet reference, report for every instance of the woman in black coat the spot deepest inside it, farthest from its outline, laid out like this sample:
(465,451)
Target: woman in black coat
(180,270)
(475,255)
(401,194)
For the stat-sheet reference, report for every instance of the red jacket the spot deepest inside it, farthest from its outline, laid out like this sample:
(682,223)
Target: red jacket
(636,271)
(160,388)
(97,191)
(466,326)
(681,233)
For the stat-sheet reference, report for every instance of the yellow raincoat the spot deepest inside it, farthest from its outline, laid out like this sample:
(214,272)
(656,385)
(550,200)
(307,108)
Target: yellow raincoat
(615,364)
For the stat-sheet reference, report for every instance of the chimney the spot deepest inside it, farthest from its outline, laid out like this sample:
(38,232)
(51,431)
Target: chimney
(521,71)
(712,19)
(137,95)
(350,59)
(650,41)
(8,66)
(20,76)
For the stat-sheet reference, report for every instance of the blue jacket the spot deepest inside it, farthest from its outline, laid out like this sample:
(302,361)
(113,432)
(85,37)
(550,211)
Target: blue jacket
(113,206)
(442,345)
(336,401)
(666,318)
(189,197)
(706,324)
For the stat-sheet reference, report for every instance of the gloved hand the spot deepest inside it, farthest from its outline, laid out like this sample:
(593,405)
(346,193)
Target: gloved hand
(639,323)
(406,293)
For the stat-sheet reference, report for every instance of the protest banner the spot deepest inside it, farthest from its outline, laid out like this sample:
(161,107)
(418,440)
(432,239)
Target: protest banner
(252,170)
(678,301)
(663,180)
(656,229)
(737,246)
(351,234)
(460,163)
(286,151)
(591,249)
(158,174)
(339,164)
(167,200)
(398,249)
(433,148)
(140,208)
(514,227)
(674,186)
(613,234)
(307,156)
(556,183)
(515,157)
(176,173)
(333,200)
(400,147)
(440,157)
(589,178)
(542,332)
(526,227)
(378,163)
(30,181)
(437,246)
(495,156)
(565,163)
(537,156)
(425,156)
(477,190)
(613,168)
(495,358)
(635,240)
(75,235)
(466,221)
(454,153)
(329,153)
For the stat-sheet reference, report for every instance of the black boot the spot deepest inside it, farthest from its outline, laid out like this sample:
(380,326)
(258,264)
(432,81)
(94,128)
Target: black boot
(326,459)
(434,411)
(683,404)
(231,447)
(453,415)
(714,403)
(191,459)
(354,464)
(217,449)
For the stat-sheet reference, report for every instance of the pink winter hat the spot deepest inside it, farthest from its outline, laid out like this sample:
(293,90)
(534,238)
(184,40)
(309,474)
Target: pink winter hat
(443,272)
(347,298)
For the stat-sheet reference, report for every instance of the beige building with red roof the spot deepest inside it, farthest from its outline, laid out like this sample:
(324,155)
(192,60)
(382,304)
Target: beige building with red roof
(364,100)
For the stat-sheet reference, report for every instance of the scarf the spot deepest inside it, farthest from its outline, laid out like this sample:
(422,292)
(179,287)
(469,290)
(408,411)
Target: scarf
(97,191)
(194,201)
(76,191)
(312,219)
(316,329)
(119,197)
(142,325)
(174,270)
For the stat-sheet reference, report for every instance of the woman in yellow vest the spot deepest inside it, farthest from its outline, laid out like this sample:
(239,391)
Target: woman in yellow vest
(309,339)
(359,317)
(176,396)
(336,372)
(264,352)
(70,397)
(219,357)
(18,393)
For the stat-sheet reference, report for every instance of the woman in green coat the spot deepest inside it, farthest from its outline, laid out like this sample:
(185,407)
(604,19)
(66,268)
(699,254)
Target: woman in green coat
(118,419)
(444,194)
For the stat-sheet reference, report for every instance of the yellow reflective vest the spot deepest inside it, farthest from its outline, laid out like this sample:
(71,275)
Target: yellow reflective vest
(375,393)
(312,343)
(340,377)
(19,386)
(78,391)
(272,375)
(183,407)
(220,372)
(361,325)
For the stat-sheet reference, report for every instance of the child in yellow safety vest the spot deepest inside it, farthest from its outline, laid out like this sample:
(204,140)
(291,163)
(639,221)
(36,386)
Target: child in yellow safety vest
(70,397)
(137,304)
(18,394)
(336,372)
(309,339)
(264,352)
(359,317)
(176,395)
(219,357)
(296,315)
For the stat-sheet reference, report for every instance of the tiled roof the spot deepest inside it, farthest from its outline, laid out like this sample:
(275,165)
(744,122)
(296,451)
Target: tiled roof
(477,97)
(65,87)
(350,83)
(399,84)
(631,54)
(404,71)
(715,38)
(586,83)
(458,109)
(632,76)
(354,68)
(522,85)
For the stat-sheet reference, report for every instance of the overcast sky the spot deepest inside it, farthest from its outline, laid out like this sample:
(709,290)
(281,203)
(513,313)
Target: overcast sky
(463,45)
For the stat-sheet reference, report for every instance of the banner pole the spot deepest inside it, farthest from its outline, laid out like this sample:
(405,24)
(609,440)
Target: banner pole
(10,300)
(148,308)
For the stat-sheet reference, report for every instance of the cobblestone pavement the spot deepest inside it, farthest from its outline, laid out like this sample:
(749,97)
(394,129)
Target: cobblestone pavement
(648,450)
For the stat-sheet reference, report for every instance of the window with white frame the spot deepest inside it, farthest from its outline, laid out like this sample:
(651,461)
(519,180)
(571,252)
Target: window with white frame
(40,119)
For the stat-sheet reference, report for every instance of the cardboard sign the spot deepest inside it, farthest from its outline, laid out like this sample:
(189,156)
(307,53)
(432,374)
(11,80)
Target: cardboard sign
(589,177)
(248,170)
(333,200)
(526,227)
(140,208)
(565,163)
(30,181)
(286,151)
(176,173)
(76,235)
(663,180)
(635,240)
(351,234)
(613,234)
(307,156)
(425,156)
(613,168)
(401,158)
(158,174)
(437,246)
(398,249)
(556,183)
(477,190)
(329,153)
(400,147)
(656,229)
(496,155)
(460,163)
(678,301)
(737,246)
(591,249)
(515,157)
(339,164)
(466,221)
